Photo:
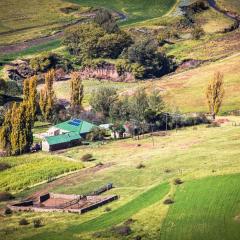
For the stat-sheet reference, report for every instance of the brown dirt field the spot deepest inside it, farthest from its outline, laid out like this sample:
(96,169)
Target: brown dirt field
(70,179)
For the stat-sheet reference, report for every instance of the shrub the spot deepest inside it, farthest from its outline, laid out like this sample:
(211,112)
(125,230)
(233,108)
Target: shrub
(177,181)
(87,157)
(168,201)
(5,196)
(140,166)
(7,211)
(122,230)
(4,166)
(23,222)
(37,223)
(197,32)
(108,209)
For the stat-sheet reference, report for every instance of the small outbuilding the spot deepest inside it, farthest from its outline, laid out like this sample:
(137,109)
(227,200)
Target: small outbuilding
(66,140)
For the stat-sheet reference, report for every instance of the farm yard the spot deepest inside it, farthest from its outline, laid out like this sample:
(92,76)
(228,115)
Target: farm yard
(119,120)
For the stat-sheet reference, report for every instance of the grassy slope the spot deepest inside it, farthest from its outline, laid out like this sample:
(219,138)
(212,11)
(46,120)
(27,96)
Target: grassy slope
(179,88)
(136,10)
(20,20)
(205,210)
(196,153)
(30,169)
(230,5)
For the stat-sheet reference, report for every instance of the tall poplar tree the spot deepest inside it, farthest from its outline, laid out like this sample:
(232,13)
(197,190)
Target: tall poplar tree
(47,96)
(76,91)
(215,93)
(5,131)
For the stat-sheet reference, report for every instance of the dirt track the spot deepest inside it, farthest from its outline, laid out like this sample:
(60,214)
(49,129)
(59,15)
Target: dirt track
(17,47)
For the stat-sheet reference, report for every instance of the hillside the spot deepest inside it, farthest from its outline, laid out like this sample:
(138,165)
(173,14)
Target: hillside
(119,119)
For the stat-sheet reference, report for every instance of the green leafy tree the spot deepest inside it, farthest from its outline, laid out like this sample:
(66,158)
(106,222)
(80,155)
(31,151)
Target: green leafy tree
(145,53)
(89,41)
(102,99)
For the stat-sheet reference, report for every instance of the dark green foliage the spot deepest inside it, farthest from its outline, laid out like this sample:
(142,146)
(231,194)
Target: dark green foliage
(48,60)
(146,54)
(136,69)
(168,201)
(102,100)
(89,41)
(87,157)
(37,223)
(97,134)
(5,196)
(4,166)
(23,222)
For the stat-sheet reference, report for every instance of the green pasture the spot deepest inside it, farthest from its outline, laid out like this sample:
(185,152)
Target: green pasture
(135,10)
(206,209)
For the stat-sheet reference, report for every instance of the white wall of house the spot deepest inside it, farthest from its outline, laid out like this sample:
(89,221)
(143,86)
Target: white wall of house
(45,146)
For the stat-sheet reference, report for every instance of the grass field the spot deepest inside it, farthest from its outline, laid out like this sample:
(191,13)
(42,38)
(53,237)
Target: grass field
(179,88)
(205,209)
(28,170)
(135,10)
(20,20)
(197,154)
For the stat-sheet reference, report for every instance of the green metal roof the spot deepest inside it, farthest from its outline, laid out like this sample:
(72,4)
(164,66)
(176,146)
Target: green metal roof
(76,125)
(63,138)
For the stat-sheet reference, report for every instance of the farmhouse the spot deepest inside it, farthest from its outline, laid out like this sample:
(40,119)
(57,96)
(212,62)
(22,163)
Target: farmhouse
(66,134)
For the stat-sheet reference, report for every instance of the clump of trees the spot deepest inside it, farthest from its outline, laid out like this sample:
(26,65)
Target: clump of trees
(16,131)
(89,41)
(215,94)
(47,61)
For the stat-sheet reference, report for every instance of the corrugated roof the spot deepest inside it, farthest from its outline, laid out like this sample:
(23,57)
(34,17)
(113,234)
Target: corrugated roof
(76,125)
(63,138)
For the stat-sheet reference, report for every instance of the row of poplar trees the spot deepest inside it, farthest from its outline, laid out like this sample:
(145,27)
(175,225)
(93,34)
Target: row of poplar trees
(16,132)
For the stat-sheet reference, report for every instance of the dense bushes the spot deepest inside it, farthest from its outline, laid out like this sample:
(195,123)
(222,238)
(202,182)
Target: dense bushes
(89,41)
(146,54)
(47,61)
